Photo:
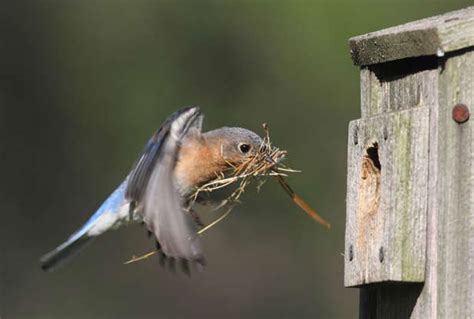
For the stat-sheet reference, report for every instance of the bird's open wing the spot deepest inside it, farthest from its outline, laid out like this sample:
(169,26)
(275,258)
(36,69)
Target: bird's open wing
(190,118)
(153,188)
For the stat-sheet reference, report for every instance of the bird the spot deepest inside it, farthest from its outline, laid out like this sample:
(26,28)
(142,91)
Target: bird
(177,158)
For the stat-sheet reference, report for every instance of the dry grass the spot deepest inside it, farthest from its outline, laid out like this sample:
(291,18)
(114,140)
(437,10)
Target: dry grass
(266,162)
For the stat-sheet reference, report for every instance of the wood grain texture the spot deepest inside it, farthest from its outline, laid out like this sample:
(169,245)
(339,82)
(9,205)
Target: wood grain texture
(384,90)
(387,202)
(432,36)
(449,290)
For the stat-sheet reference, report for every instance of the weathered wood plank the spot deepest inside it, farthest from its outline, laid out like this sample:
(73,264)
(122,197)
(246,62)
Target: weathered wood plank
(398,86)
(387,198)
(432,36)
(449,293)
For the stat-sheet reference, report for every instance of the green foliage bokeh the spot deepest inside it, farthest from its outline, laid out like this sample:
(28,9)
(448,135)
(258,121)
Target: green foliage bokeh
(85,83)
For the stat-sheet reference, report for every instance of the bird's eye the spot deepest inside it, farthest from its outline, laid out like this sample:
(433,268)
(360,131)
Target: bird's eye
(244,148)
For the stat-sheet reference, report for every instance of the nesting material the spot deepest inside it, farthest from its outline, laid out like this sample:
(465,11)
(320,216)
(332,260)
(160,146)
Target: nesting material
(266,162)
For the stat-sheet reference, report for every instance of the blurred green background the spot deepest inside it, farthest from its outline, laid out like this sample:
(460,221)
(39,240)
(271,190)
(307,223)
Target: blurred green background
(83,86)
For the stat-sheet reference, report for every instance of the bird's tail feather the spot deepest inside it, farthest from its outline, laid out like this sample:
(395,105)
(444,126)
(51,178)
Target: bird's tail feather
(113,213)
(64,252)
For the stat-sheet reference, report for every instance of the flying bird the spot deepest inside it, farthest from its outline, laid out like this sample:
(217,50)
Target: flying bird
(176,159)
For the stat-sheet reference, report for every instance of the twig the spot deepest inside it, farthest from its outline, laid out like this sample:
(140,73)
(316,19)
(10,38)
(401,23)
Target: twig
(135,259)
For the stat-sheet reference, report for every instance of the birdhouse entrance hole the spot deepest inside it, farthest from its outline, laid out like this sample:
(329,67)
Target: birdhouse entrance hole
(373,155)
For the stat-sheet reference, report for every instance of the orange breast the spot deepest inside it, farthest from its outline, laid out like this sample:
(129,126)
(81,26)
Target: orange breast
(199,161)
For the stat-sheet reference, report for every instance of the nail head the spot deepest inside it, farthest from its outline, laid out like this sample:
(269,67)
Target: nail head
(460,113)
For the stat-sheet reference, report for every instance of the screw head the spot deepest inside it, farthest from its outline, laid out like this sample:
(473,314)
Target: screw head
(460,113)
(351,253)
(355,136)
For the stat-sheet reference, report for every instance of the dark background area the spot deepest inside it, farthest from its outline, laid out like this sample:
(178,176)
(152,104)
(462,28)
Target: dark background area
(83,85)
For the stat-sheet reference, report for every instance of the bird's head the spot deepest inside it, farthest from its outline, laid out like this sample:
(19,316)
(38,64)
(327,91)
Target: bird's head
(236,145)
